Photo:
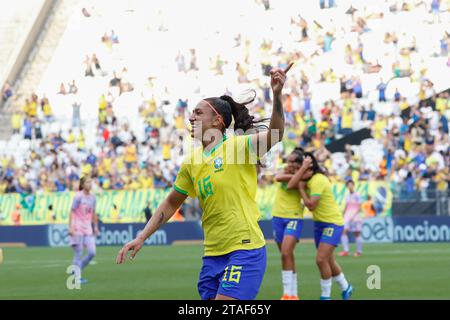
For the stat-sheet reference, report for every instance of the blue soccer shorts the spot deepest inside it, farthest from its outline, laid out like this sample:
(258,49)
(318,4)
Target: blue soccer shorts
(238,274)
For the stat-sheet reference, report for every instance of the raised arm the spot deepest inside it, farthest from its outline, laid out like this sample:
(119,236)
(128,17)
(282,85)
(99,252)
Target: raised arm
(311,202)
(262,142)
(295,180)
(164,212)
(283,177)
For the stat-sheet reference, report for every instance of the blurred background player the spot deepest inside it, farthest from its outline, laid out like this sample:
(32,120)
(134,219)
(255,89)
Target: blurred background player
(287,222)
(317,194)
(353,220)
(81,221)
(235,254)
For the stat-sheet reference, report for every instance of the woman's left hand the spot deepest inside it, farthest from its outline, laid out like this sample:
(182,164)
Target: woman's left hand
(278,78)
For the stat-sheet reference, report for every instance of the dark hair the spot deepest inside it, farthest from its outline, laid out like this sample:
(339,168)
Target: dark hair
(316,168)
(349,181)
(82,181)
(299,154)
(230,109)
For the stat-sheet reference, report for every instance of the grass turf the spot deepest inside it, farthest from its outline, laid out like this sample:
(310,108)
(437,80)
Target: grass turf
(408,271)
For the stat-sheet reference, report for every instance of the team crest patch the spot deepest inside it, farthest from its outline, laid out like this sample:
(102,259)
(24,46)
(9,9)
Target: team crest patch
(218,163)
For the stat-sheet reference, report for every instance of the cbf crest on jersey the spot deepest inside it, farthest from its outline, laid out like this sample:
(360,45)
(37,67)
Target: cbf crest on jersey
(218,163)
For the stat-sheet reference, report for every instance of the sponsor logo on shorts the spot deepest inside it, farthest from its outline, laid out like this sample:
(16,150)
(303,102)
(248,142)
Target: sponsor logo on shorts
(227,285)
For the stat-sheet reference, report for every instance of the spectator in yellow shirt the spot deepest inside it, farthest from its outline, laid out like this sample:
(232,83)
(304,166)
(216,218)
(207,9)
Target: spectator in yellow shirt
(442,179)
(86,169)
(32,107)
(16,122)
(130,155)
(145,181)
(26,106)
(106,185)
(102,104)
(3,186)
(167,146)
(442,102)
(404,104)
(107,162)
(379,125)
(70,137)
(47,110)
(323,125)
(347,122)
(179,122)
(81,140)
(134,184)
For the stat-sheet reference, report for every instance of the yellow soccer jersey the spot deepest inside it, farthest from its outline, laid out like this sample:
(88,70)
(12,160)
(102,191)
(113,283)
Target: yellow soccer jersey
(327,210)
(225,181)
(288,203)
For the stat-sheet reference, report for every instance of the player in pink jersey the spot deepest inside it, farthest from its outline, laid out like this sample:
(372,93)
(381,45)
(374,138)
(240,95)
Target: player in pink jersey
(81,220)
(352,220)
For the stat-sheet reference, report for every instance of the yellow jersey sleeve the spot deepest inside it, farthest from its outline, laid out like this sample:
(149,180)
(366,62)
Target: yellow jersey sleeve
(183,183)
(317,185)
(327,210)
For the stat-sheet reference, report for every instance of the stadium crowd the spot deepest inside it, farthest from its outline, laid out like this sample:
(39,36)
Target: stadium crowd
(413,131)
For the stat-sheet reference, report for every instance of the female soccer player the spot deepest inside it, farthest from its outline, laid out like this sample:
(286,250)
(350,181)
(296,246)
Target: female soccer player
(352,220)
(82,218)
(316,191)
(287,221)
(222,173)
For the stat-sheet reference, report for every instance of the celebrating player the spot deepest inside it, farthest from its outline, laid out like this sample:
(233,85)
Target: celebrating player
(353,220)
(287,221)
(234,262)
(316,192)
(82,218)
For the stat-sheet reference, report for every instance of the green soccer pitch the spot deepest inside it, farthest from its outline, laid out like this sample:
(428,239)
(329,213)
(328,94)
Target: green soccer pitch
(408,271)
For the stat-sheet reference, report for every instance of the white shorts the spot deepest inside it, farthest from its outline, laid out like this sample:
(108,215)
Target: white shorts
(353,226)
(83,240)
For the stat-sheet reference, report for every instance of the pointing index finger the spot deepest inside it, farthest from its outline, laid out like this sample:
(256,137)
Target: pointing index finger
(288,67)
